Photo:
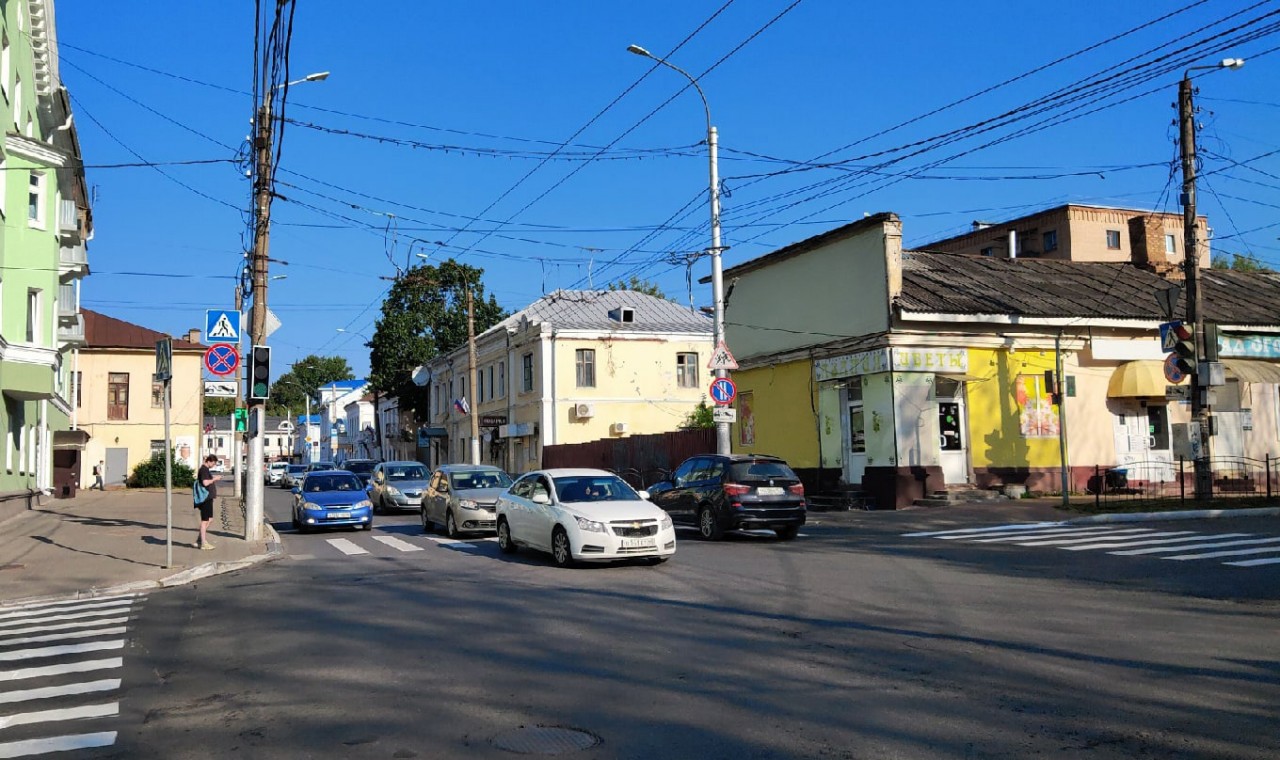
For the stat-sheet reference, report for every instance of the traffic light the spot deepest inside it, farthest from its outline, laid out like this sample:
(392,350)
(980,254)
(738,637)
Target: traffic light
(242,420)
(260,373)
(1185,349)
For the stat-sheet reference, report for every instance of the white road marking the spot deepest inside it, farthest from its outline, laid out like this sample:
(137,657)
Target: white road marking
(59,651)
(1067,543)
(83,666)
(1255,562)
(1074,533)
(988,529)
(1213,544)
(119,631)
(49,692)
(57,744)
(1229,553)
(345,546)
(67,604)
(27,619)
(396,543)
(61,627)
(1148,542)
(69,713)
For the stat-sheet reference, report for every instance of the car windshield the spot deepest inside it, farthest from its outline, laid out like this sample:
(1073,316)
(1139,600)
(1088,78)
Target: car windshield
(406,472)
(579,488)
(359,467)
(466,481)
(336,482)
(295,469)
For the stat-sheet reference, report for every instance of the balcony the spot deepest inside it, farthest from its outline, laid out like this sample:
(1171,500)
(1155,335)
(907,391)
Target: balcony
(68,305)
(69,221)
(73,259)
(72,331)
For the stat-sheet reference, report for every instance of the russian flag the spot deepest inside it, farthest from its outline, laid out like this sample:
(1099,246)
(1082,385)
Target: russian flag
(461,405)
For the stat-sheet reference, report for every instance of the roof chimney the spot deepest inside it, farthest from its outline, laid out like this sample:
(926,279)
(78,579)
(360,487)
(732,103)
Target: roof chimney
(1013,244)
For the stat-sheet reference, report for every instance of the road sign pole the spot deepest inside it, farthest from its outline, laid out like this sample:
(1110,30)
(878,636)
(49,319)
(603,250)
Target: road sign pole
(168,478)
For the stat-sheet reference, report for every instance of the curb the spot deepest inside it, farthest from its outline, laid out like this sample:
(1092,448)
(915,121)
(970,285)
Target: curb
(1195,514)
(274,551)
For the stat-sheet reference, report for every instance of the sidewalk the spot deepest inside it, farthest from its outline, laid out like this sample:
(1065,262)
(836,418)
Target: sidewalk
(109,541)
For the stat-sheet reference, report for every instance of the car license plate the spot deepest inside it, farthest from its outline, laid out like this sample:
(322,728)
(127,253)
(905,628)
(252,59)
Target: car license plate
(639,543)
(338,515)
(771,490)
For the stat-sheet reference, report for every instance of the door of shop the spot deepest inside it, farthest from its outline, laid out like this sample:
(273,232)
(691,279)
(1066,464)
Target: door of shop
(953,442)
(854,432)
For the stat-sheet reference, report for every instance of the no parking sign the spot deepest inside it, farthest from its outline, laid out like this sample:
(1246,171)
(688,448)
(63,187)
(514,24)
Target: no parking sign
(723,391)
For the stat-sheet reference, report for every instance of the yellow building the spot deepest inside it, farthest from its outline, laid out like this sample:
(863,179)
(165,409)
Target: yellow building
(120,406)
(574,366)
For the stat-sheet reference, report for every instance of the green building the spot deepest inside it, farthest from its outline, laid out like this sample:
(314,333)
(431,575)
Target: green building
(46,228)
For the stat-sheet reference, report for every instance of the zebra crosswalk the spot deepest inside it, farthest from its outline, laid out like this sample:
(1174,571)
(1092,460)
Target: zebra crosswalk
(395,545)
(1235,549)
(57,666)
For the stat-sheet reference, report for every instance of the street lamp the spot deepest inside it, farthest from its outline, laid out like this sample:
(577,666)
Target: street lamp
(717,275)
(1201,411)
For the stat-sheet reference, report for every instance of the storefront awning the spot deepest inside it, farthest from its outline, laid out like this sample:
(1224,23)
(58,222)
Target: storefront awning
(70,439)
(1138,379)
(1252,370)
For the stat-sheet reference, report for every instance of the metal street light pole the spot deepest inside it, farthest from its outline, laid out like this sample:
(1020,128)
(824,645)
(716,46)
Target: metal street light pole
(1200,408)
(258,319)
(717,273)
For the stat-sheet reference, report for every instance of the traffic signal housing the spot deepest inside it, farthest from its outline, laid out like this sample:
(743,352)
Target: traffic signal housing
(260,373)
(1185,349)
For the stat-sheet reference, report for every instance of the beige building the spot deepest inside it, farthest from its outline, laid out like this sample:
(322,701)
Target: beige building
(1083,233)
(120,406)
(574,366)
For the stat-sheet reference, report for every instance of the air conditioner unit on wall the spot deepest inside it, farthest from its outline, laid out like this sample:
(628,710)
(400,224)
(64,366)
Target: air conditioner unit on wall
(584,411)
(619,428)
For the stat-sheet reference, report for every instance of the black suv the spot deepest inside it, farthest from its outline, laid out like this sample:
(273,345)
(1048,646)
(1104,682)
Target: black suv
(726,492)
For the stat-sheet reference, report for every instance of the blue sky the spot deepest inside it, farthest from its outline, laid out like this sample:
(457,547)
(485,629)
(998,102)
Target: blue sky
(522,138)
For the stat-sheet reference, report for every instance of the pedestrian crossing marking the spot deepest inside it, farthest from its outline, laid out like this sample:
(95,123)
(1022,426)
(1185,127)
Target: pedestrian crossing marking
(1179,545)
(57,670)
(345,546)
(106,710)
(60,651)
(118,631)
(87,609)
(398,544)
(50,692)
(57,744)
(59,627)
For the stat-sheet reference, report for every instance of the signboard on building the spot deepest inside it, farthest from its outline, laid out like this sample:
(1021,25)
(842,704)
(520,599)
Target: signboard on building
(1249,346)
(897,359)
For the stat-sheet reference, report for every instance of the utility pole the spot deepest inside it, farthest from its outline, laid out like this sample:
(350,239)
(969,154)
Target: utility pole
(237,439)
(1201,412)
(1060,383)
(472,373)
(258,320)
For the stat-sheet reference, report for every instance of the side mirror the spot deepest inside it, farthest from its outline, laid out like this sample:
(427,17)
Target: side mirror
(540,498)
(296,490)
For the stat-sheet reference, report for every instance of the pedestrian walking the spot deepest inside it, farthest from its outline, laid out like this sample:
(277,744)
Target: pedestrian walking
(99,470)
(206,479)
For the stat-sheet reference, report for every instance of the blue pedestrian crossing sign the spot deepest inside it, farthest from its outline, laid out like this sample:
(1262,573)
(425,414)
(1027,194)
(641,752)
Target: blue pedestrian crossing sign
(221,326)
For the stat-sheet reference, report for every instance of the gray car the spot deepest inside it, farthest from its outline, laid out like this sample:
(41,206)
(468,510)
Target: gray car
(397,485)
(460,498)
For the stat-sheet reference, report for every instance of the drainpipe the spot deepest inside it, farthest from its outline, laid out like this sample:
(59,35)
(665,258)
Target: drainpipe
(1013,244)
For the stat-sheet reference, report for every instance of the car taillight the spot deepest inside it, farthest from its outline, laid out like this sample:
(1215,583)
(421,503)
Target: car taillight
(736,489)
(796,490)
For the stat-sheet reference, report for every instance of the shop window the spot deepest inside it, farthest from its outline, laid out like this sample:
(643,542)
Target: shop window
(1158,426)
(857,418)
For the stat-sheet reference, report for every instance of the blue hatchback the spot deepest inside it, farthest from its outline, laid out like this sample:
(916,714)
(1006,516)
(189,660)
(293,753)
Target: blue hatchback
(331,498)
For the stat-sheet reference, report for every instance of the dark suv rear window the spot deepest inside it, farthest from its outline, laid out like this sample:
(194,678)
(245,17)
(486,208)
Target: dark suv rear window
(745,471)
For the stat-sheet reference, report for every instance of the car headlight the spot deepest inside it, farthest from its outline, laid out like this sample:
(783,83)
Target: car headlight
(468,504)
(392,490)
(310,505)
(665,522)
(365,503)
(591,526)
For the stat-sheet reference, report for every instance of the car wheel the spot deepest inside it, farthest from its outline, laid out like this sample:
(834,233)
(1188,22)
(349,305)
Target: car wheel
(504,538)
(450,525)
(787,533)
(708,526)
(369,525)
(561,551)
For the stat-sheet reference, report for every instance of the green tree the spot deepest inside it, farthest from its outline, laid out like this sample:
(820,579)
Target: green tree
(425,315)
(289,391)
(700,418)
(217,406)
(1238,262)
(639,286)
(150,474)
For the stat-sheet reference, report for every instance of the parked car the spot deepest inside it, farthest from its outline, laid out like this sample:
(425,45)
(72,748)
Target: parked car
(582,515)
(397,485)
(318,466)
(717,493)
(274,472)
(331,498)
(363,468)
(461,497)
(292,475)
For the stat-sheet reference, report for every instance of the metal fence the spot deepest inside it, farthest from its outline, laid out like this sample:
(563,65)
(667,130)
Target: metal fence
(1165,481)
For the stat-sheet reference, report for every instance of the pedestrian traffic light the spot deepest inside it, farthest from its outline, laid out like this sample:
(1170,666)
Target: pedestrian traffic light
(242,420)
(260,373)
(1185,349)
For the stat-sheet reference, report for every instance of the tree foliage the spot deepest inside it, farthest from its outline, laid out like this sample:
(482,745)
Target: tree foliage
(700,418)
(425,315)
(1238,262)
(289,392)
(217,406)
(639,286)
(150,474)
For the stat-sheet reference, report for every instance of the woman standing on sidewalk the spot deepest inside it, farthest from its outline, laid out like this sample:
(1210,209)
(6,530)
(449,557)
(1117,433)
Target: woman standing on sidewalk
(209,481)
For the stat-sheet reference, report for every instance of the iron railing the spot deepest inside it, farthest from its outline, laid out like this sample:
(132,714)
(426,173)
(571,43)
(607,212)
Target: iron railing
(1174,481)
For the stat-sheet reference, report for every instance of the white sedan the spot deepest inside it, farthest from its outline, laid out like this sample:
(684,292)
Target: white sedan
(582,515)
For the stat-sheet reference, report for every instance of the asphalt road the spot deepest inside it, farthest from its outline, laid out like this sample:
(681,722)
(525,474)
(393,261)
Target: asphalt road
(853,641)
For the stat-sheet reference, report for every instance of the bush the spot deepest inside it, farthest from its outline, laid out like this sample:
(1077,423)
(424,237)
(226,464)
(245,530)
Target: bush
(150,474)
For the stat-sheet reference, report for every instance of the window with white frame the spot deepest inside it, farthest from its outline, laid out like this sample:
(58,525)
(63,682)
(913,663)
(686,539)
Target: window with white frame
(1170,243)
(36,199)
(585,367)
(502,379)
(33,315)
(687,370)
(5,63)
(17,100)
(4,183)
(526,367)
(1113,240)
(492,392)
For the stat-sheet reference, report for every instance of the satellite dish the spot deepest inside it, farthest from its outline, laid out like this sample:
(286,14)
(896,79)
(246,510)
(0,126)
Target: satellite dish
(421,376)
